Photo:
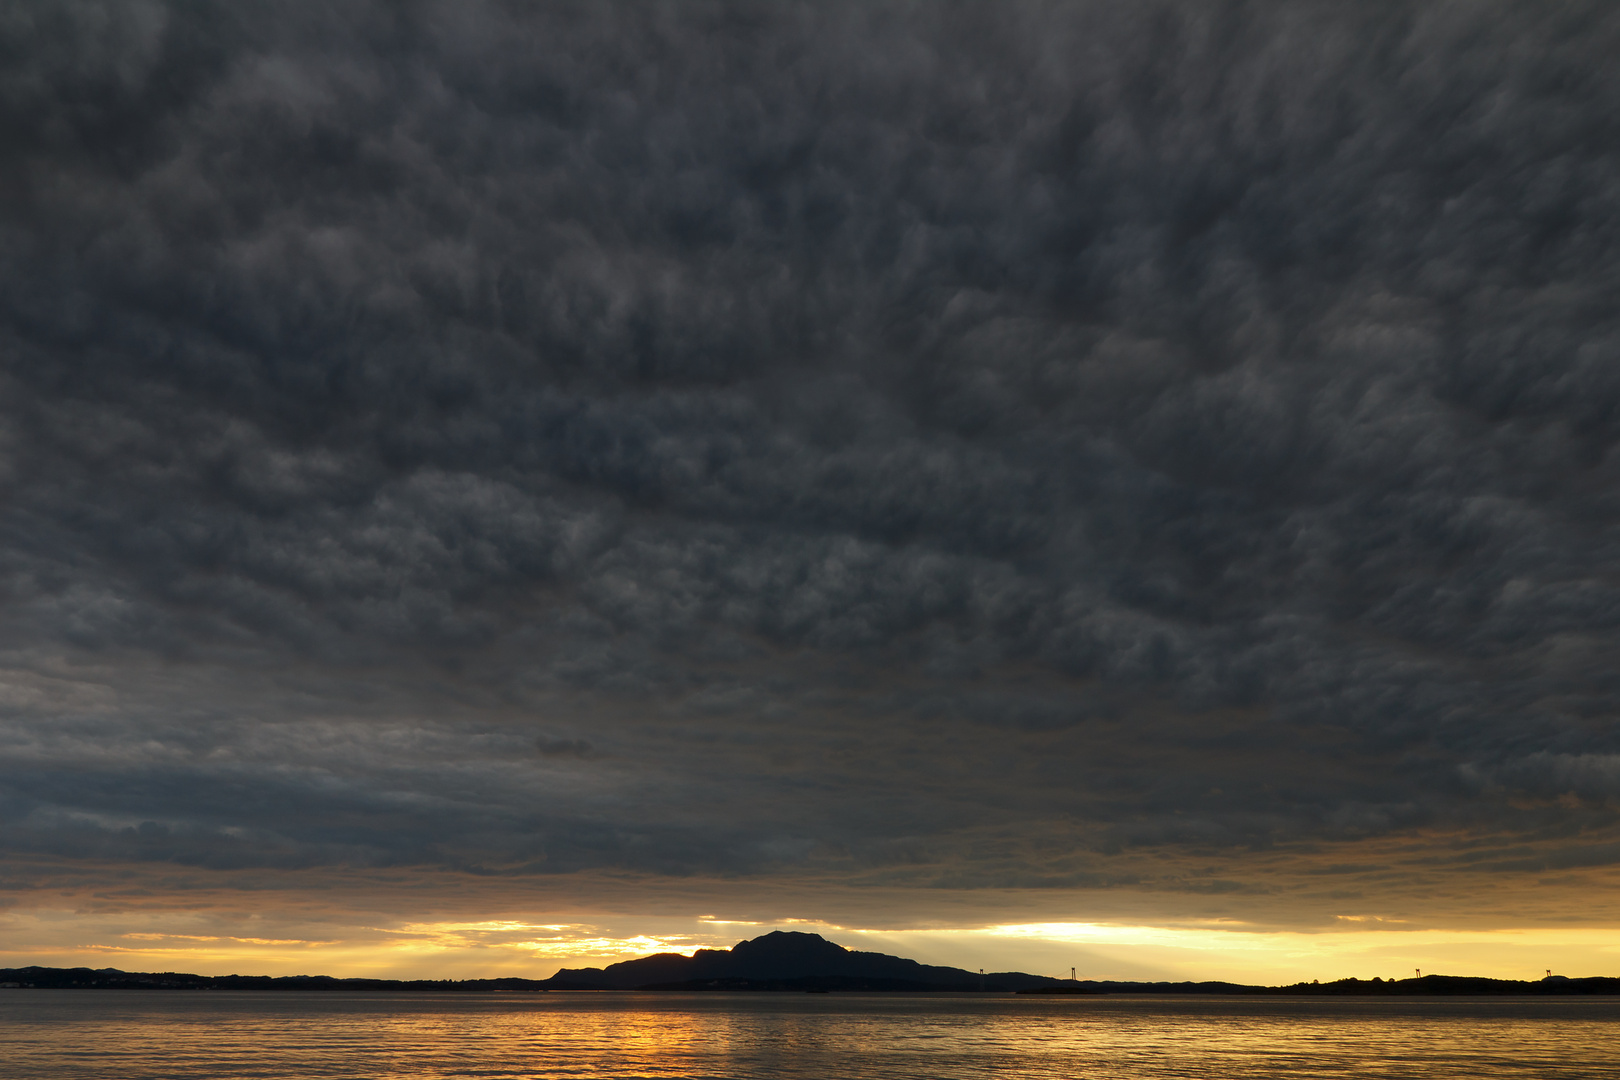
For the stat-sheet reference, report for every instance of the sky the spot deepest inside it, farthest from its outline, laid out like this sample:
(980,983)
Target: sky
(489,487)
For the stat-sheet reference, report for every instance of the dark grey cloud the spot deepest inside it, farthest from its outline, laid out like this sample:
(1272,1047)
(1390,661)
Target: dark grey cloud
(913,444)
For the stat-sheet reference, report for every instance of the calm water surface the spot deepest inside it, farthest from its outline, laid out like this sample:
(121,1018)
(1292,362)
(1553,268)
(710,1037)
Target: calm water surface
(134,1035)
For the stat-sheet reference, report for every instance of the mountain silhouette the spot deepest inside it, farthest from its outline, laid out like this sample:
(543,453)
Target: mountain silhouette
(786,959)
(792,961)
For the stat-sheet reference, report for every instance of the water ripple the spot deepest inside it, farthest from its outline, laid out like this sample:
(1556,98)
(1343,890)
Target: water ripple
(145,1035)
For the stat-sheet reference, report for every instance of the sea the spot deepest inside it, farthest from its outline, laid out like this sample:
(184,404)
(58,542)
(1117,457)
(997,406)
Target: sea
(138,1034)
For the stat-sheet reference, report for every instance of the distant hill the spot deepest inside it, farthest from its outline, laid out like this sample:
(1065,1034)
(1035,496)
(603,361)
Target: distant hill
(792,961)
(788,960)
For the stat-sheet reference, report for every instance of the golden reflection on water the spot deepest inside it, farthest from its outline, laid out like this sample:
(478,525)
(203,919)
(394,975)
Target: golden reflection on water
(148,1034)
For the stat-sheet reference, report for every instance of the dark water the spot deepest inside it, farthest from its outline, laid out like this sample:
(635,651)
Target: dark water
(131,1035)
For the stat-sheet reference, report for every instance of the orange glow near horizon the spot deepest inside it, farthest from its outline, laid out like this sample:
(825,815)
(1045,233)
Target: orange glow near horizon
(1215,950)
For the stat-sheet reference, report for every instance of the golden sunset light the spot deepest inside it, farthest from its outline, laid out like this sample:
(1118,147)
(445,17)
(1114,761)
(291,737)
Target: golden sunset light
(781,539)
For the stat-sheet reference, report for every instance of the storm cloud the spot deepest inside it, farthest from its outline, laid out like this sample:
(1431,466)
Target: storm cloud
(1010,446)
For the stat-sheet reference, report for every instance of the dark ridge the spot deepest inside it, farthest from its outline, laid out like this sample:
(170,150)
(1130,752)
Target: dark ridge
(788,959)
(46,978)
(793,961)
(1427,986)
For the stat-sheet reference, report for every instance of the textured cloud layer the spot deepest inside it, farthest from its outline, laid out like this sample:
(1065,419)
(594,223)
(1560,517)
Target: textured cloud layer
(1073,445)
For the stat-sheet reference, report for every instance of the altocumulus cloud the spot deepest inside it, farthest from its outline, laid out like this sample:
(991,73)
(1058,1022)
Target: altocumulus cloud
(936,445)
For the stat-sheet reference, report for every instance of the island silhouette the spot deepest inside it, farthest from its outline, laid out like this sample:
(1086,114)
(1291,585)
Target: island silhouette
(790,960)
